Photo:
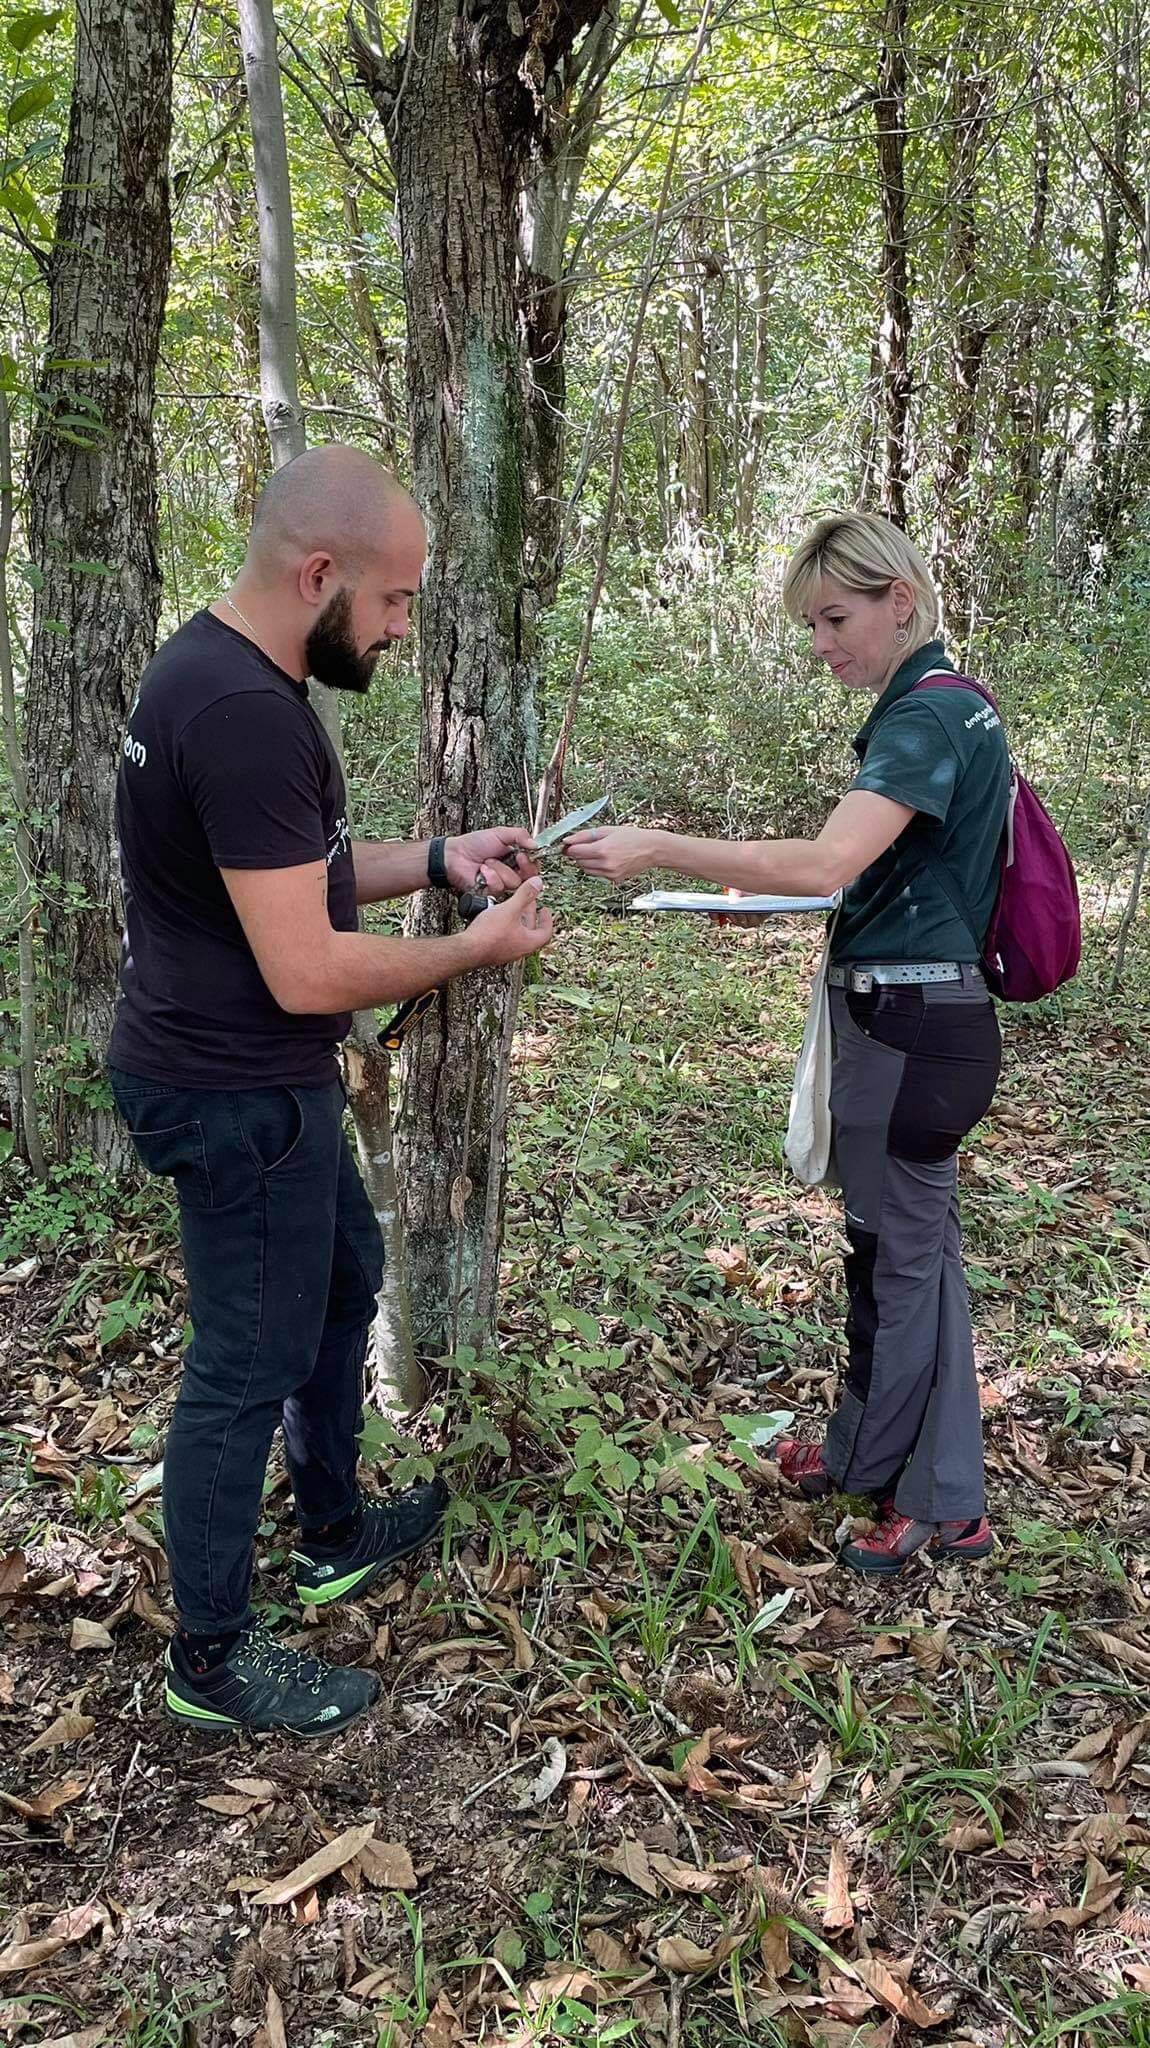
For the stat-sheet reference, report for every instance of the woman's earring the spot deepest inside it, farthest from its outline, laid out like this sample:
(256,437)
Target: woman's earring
(901,635)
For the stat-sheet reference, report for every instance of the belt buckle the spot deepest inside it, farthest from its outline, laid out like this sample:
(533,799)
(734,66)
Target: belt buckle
(861,983)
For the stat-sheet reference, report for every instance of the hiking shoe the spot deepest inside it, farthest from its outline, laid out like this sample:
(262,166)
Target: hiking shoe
(264,1686)
(963,1539)
(385,1532)
(895,1538)
(801,1465)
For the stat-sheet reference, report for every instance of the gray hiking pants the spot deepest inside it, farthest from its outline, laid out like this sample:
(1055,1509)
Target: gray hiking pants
(914,1070)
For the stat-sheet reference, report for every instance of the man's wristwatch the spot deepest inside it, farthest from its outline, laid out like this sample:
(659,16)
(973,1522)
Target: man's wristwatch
(437,876)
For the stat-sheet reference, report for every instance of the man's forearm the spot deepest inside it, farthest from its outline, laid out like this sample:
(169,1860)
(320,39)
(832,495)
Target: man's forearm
(385,868)
(359,971)
(769,867)
(388,867)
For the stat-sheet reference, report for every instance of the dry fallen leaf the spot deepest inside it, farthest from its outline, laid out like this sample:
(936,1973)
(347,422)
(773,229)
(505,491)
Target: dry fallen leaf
(897,1998)
(1099,1894)
(388,1865)
(88,2037)
(48,1802)
(234,1804)
(28,1955)
(629,1858)
(90,1635)
(684,1877)
(552,1774)
(13,1572)
(967,1836)
(839,1916)
(610,1954)
(67,1727)
(509,1622)
(685,1958)
(324,1863)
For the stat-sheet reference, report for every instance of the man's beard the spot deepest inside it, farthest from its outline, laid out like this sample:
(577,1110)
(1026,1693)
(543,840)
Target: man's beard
(332,656)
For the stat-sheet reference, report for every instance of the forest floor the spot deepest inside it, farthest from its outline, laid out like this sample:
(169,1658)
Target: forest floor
(648,1765)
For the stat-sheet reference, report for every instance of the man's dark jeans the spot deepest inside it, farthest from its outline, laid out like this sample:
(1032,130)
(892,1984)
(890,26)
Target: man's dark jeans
(283,1259)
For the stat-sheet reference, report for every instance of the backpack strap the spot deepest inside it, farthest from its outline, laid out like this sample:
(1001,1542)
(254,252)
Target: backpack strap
(941,679)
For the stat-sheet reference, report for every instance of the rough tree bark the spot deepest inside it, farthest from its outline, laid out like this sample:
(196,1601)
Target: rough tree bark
(467,111)
(1028,394)
(971,103)
(92,505)
(753,434)
(393,1369)
(895,328)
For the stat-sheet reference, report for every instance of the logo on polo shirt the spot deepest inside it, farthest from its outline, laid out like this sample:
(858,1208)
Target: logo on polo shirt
(987,717)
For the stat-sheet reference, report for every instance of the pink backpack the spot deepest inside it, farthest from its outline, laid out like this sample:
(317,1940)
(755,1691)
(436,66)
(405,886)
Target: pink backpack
(1033,942)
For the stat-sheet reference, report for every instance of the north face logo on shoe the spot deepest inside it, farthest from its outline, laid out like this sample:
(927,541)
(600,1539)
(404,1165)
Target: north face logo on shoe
(328,1714)
(325,1571)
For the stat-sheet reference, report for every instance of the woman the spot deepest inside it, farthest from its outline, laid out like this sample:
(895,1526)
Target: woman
(916,1039)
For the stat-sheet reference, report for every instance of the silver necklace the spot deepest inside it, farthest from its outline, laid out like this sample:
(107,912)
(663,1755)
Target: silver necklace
(232,606)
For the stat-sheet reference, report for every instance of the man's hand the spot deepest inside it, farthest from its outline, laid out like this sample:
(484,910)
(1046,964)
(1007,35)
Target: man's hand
(472,854)
(613,852)
(511,930)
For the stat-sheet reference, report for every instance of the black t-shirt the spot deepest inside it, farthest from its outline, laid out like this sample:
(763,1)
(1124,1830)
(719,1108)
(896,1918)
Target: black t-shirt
(225,765)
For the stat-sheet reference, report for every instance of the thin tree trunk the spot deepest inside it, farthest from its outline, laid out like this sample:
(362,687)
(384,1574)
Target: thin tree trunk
(1028,396)
(368,1070)
(1108,384)
(970,107)
(895,330)
(24,906)
(92,523)
(241,284)
(384,354)
(752,441)
(546,206)
(1132,901)
(696,404)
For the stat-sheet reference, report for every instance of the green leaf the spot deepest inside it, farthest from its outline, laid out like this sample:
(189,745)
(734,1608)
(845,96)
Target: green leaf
(6,1143)
(35,99)
(758,1429)
(25,29)
(670,13)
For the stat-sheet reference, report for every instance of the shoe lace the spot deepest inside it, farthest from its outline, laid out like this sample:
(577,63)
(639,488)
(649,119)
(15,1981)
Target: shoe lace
(889,1522)
(272,1659)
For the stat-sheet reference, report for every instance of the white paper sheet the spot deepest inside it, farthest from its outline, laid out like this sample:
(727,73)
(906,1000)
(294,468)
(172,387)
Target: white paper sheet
(711,900)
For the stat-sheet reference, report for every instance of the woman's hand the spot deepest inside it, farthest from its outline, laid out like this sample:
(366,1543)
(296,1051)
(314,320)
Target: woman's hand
(613,852)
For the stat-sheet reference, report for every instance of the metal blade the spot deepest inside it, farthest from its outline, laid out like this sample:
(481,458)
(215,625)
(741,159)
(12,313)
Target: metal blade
(573,822)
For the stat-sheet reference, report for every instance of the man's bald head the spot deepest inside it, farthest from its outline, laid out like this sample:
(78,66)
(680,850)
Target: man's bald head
(333,500)
(335,557)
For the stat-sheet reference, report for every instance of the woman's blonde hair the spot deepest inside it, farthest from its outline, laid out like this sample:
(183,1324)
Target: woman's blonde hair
(864,552)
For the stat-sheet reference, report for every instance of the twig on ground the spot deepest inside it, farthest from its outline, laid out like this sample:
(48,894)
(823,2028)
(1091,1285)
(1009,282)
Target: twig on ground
(672,1805)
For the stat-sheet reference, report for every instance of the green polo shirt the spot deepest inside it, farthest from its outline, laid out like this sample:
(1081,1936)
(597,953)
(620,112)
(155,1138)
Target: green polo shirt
(944,753)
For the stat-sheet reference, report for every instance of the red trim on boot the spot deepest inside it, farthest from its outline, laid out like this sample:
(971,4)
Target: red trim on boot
(801,1465)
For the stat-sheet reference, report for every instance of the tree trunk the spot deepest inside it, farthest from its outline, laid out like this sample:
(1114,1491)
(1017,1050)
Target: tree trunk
(92,498)
(1130,912)
(752,440)
(465,115)
(970,107)
(385,355)
(546,205)
(241,286)
(696,404)
(26,1117)
(1028,399)
(895,330)
(393,1369)
(1109,377)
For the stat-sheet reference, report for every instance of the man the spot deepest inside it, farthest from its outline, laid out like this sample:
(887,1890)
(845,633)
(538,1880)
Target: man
(242,965)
